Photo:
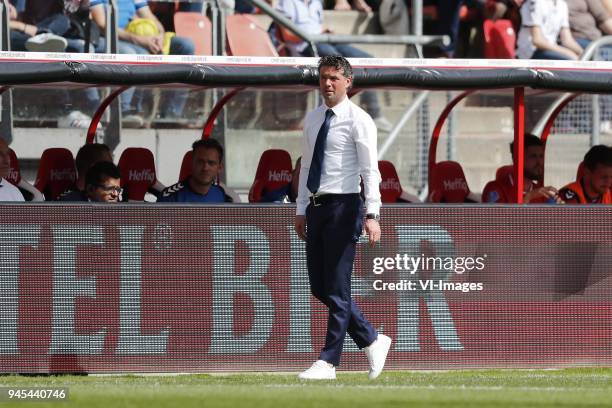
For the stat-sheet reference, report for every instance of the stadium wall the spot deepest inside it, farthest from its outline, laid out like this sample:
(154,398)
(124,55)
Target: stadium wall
(137,288)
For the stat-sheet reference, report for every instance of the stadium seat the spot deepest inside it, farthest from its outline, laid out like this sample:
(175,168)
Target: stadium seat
(30,193)
(390,187)
(499,39)
(196,27)
(56,172)
(185,166)
(499,187)
(449,185)
(245,37)
(272,178)
(138,175)
(580,171)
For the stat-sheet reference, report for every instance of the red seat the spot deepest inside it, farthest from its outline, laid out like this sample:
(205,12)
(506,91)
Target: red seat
(498,190)
(14,174)
(138,175)
(499,39)
(245,37)
(391,190)
(197,28)
(29,192)
(448,184)
(56,172)
(580,171)
(186,166)
(272,178)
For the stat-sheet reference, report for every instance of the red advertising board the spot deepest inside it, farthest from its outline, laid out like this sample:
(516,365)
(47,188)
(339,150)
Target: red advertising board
(156,288)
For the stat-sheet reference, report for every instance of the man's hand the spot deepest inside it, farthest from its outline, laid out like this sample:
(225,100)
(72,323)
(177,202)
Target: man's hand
(300,226)
(153,43)
(544,192)
(372,228)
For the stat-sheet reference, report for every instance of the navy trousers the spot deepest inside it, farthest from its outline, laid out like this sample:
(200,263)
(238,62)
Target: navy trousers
(333,229)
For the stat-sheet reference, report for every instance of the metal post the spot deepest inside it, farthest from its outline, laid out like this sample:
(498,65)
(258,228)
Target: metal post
(595,121)
(519,141)
(417,23)
(451,130)
(112,133)
(423,135)
(6,117)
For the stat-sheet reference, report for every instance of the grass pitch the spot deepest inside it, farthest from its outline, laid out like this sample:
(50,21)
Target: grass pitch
(474,388)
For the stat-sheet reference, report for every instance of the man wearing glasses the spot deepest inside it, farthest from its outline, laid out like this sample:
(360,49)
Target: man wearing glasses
(103,183)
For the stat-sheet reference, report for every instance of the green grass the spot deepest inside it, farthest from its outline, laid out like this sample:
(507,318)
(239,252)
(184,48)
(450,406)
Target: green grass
(473,388)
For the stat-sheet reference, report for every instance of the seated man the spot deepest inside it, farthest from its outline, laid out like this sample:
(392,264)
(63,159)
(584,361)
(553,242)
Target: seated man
(594,186)
(8,192)
(103,183)
(86,157)
(130,43)
(544,22)
(502,191)
(201,186)
(308,15)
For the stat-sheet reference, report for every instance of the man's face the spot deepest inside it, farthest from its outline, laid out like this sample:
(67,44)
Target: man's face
(333,85)
(206,166)
(5,159)
(108,191)
(600,179)
(534,162)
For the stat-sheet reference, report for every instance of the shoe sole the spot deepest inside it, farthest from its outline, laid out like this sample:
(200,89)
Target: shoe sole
(316,379)
(374,374)
(52,45)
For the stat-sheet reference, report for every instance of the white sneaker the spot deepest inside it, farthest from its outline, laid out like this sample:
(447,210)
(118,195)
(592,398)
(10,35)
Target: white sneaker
(605,127)
(46,42)
(377,355)
(75,120)
(383,124)
(320,370)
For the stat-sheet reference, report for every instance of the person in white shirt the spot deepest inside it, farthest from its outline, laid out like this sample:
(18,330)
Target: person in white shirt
(339,146)
(545,23)
(8,192)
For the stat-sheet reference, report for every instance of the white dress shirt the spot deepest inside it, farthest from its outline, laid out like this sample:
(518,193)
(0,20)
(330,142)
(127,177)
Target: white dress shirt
(350,151)
(9,192)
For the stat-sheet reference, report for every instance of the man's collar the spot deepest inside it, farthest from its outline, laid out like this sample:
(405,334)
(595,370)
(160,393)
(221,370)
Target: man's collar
(339,108)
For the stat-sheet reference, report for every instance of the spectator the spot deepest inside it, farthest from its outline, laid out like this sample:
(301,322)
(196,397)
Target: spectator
(544,22)
(308,15)
(503,190)
(359,5)
(103,183)
(589,20)
(594,186)
(201,186)
(86,157)
(506,9)
(130,43)
(8,192)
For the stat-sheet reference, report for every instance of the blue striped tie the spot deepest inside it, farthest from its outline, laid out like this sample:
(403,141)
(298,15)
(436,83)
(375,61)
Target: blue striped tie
(314,174)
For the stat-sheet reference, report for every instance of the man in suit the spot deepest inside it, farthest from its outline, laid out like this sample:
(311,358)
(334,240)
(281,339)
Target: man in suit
(339,147)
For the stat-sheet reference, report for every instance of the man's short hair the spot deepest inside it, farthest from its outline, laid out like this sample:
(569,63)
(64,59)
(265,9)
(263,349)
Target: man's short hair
(530,140)
(101,171)
(90,153)
(338,62)
(209,144)
(600,154)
